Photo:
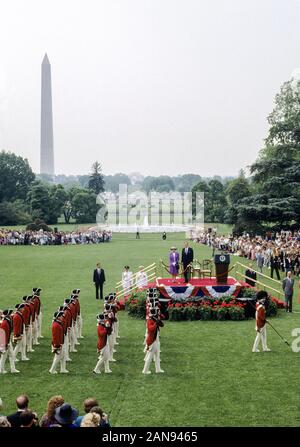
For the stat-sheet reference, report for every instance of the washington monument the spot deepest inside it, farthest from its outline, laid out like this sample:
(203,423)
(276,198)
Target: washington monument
(47,152)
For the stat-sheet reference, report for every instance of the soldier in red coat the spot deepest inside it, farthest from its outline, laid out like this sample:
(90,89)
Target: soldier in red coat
(153,352)
(67,323)
(110,321)
(19,336)
(6,350)
(36,292)
(27,315)
(71,331)
(260,326)
(102,345)
(32,323)
(57,344)
(79,322)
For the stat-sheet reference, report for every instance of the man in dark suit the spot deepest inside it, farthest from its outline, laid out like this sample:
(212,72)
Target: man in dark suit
(250,275)
(187,256)
(22,404)
(288,288)
(99,280)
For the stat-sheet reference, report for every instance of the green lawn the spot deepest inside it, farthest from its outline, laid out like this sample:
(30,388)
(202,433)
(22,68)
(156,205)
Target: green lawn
(211,376)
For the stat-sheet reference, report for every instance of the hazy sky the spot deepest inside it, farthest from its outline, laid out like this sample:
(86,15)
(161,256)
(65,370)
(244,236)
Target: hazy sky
(156,86)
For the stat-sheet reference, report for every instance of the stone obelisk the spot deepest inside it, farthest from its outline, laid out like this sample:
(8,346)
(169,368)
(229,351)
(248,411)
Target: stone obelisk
(47,152)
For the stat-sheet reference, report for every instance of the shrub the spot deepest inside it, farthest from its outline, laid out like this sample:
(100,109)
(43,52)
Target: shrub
(221,313)
(191,313)
(37,225)
(236,313)
(271,309)
(136,304)
(205,312)
(247,292)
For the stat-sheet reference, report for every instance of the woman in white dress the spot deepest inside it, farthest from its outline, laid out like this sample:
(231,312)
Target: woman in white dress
(127,280)
(141,278)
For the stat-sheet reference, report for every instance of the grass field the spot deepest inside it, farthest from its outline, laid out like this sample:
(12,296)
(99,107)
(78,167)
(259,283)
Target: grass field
(211,376)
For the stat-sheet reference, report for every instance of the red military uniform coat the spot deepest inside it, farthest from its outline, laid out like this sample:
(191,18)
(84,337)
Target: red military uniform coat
(18,324)
(152,329)
(260,316)
(37,304)
(32,310)
(102,336)
(6,327)
(26,314)
(57,334)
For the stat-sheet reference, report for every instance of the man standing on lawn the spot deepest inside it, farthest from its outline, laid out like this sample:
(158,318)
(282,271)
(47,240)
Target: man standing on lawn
(99,280)
(288,288)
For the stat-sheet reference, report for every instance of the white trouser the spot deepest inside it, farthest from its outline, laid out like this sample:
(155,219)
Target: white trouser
(39,323)
(152,354)
(67,347)
(110,343)
(157,341)
(79,326)
(71,339)
(103,359)
(20,347)
(117,329)
(262,335)
(59,358)
(74,327)
(29,338)
(3,357)
(35,331)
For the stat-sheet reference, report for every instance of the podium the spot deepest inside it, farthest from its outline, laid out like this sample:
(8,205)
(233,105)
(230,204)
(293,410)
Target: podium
(222,264)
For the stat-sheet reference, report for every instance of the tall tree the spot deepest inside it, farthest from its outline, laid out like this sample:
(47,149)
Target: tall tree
(96,181)
(276,173)
(16,176)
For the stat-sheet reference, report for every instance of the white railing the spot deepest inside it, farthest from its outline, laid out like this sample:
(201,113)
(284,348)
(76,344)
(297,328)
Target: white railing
(150,270)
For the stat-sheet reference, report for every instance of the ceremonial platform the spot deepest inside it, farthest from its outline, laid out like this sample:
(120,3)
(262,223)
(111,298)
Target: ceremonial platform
(197,288)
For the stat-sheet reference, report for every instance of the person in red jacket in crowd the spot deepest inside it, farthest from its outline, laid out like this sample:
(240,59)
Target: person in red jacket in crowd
(57,344)
(6,350)
(103,329)
(154,324)
(260,326)
(19,336)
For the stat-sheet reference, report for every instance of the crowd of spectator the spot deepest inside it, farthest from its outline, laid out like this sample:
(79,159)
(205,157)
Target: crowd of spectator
(276,251)
(15,237)
(58,414)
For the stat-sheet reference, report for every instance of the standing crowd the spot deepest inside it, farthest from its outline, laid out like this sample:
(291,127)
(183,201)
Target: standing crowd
(58,414)
(14,237)
(278,252)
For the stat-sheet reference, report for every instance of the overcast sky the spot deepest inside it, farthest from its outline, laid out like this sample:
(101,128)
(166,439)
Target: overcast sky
(156,86)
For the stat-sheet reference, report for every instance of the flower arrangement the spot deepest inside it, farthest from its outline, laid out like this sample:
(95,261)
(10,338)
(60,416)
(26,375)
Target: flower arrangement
(136,304)
(206,308)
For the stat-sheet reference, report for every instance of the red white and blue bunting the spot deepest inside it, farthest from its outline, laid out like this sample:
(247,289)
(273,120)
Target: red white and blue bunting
(183,293)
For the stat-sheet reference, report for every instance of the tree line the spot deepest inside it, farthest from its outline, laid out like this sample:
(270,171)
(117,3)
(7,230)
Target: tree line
(25,198)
